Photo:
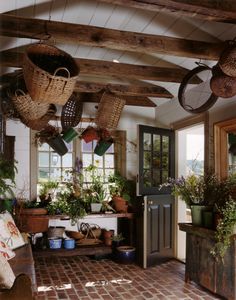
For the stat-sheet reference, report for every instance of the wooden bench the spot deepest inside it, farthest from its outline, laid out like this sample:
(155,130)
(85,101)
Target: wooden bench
(25,283)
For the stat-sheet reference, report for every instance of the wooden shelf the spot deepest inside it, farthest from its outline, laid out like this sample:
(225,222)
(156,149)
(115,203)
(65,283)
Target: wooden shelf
(79,250)
(120,215)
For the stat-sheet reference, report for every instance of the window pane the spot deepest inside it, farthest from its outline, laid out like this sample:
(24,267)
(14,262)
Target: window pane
(109,161)
(69,146)
(67,160)
(66,175)
(110,149)
(55,174)
(43,173)
(43,159)
(147,141)
(87,147)
(44,147)
(107,173)
(55,160)
(87,159)
(98,161)
(94,144)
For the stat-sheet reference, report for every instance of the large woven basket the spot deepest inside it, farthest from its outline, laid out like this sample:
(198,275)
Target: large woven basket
(42,122)
(50,73)
(28,108)
(109,111)
(71,112)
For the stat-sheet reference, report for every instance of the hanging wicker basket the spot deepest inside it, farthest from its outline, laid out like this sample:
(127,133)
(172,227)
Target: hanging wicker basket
(50,74)
(223,86)
(71,112)
(109,111)
(28,108)
(42,122)
(227,61)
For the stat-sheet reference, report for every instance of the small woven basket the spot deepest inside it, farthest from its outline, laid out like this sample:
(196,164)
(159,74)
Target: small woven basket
(42,122)
(28,108)
(50,73)
(71,112)
(109,111)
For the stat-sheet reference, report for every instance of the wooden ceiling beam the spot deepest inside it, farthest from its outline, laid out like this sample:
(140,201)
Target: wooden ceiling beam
(212,10)
(130,100)
(101,68)
(127,90)
(108,38)
(119,89)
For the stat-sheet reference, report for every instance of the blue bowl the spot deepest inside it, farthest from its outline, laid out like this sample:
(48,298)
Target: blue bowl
(55,243)
(69,243)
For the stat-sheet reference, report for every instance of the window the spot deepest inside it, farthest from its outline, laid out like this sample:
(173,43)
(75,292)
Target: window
(48,165)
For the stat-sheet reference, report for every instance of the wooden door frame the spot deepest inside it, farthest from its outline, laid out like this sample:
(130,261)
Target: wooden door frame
(221,130)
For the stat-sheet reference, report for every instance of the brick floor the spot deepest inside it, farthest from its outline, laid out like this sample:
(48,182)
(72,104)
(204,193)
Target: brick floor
(86,279)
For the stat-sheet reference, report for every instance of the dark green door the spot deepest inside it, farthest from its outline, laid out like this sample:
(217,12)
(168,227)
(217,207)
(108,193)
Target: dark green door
(156,208)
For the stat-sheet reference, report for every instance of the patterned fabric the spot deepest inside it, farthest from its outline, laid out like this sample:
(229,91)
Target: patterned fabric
(10,233)
(7,276)
(5,251)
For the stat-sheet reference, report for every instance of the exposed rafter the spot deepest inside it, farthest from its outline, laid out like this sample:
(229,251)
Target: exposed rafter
(100,67)
(108,38)
(222,11)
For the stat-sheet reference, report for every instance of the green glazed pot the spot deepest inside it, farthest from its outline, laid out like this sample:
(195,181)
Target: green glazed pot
(197,214)
(102,147)
(69,135)
(58,145)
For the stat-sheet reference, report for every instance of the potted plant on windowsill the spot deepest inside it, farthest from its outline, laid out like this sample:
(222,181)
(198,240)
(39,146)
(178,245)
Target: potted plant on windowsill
(95,193)
(119,191)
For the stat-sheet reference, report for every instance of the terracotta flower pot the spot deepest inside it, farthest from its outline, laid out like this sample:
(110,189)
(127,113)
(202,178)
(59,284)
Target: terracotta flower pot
(120,204)
(90,134)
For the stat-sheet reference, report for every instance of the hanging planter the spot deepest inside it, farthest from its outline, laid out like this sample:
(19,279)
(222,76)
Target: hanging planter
(102,146)
(90,134)
(69,135)
(58,145)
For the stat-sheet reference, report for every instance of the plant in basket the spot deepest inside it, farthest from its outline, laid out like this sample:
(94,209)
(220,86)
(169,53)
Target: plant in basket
(90,134)
(51,136)
(104,142)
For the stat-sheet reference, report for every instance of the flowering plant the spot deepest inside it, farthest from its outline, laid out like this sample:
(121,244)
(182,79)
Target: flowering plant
(204,189)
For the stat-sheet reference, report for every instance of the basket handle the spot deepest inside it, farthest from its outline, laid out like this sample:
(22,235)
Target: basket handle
(54,75)
(19,90)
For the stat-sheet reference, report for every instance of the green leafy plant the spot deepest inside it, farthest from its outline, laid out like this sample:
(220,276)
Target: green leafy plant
(117,237)
(8,170)
(119,186)
(47,187)
(95,191)
(225,229)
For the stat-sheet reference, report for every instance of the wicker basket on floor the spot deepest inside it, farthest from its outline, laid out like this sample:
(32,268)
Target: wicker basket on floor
(109,111)
(50,73)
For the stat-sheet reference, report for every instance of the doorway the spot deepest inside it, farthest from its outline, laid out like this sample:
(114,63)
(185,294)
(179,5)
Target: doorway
(190,160)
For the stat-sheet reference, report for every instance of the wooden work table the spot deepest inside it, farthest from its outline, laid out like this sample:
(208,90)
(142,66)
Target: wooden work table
(201,267)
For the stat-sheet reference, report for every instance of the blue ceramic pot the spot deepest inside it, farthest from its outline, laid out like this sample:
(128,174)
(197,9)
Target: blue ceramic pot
(125,254)
(55,243)
(69,243)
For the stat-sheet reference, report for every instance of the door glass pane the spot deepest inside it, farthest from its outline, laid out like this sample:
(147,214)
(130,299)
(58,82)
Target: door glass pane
(156,177)
(43,159)
(147,179)
(147,159)
(165,161)
(156,142)
(165,176)
(156,160)
(147,141)
(165,144)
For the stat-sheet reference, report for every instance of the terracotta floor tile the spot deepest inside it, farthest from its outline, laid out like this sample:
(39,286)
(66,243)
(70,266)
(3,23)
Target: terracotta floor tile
(86,279)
